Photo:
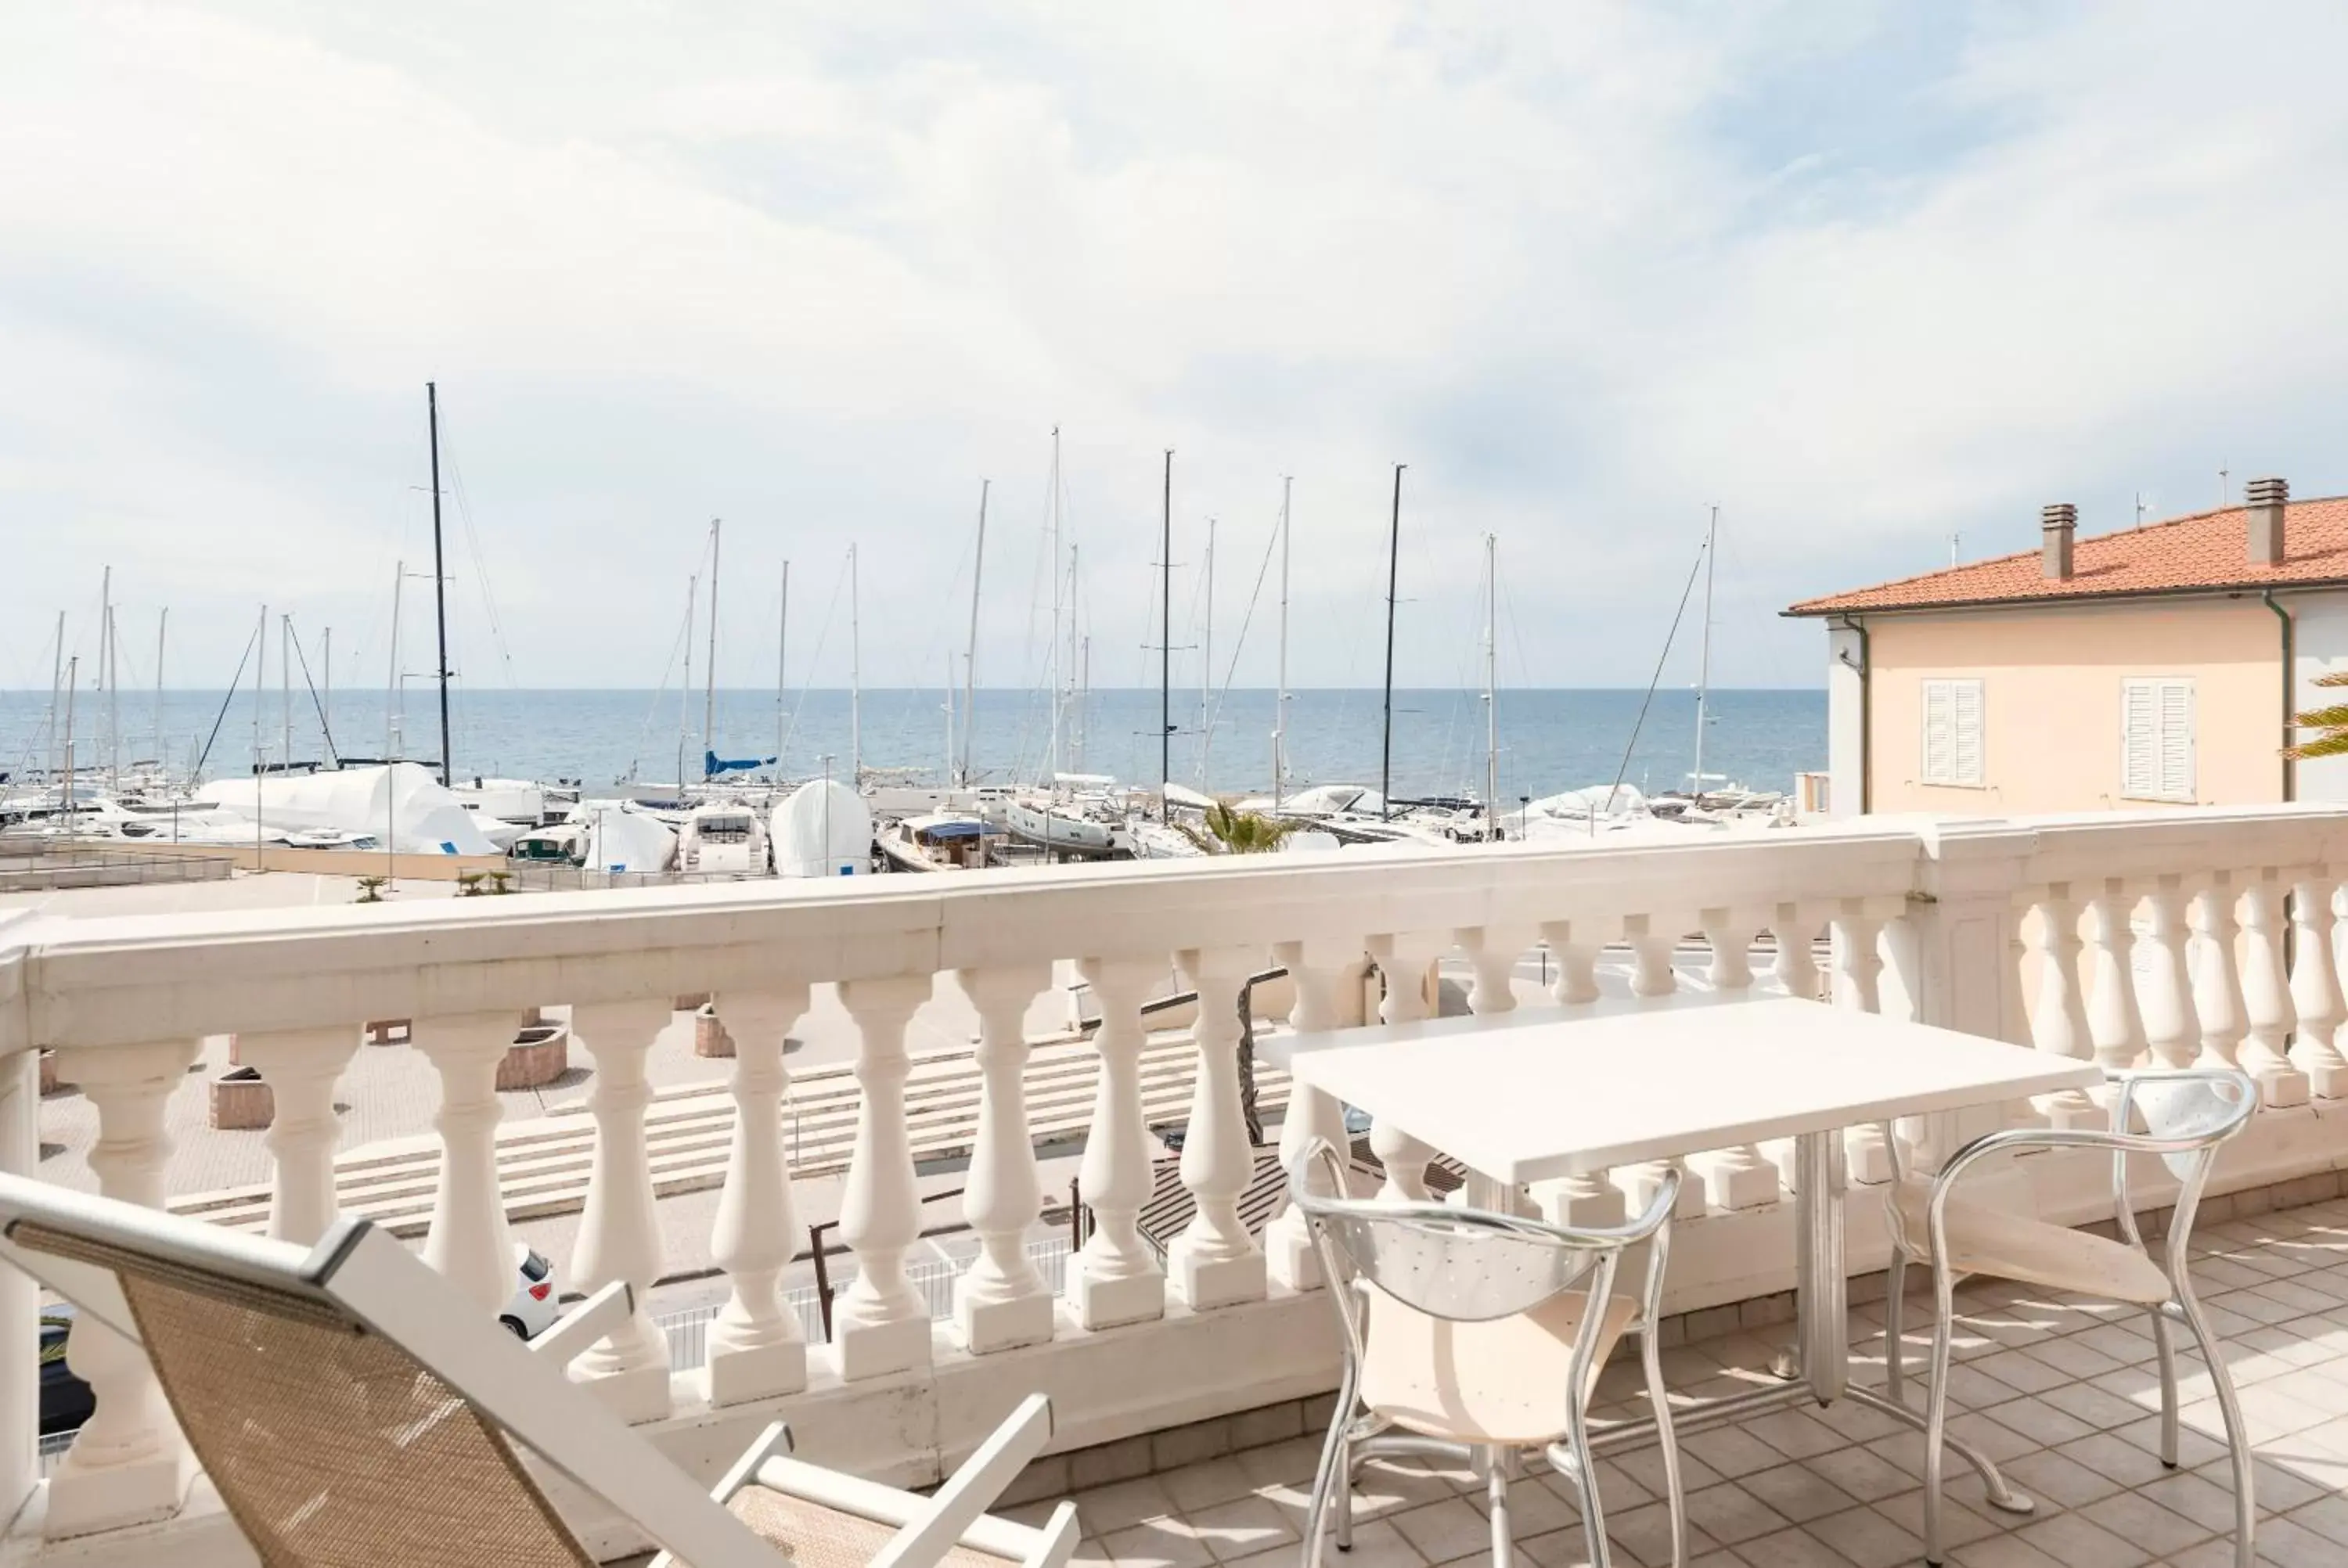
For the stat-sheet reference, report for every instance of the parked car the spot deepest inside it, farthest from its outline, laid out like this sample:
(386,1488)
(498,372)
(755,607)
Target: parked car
(66,1400)
(533,1309)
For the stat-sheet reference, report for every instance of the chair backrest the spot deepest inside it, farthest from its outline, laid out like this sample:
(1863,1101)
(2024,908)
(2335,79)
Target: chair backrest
(329,1444)
(353,1406)
(1463,1265)
(2198,1109)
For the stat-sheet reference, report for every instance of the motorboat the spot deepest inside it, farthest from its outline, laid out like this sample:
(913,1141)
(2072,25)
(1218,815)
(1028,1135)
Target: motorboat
(724,839)
(941,841)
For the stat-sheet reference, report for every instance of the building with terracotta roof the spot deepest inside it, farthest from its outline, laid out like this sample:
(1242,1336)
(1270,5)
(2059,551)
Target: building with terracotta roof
(2156,665)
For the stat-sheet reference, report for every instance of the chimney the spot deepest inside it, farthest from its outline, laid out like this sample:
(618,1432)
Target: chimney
(2057,523)
(2267,499)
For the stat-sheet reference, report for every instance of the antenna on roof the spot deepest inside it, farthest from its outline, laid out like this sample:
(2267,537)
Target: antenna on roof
(2225,494)
(2140,509)
(1954,539)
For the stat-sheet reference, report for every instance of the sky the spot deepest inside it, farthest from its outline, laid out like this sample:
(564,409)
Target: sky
(1863,276)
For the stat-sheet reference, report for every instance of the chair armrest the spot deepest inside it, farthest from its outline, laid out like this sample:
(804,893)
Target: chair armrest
(585,1322)
(926,1539)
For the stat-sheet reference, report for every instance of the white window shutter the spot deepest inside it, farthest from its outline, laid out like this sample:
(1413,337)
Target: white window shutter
(1966,721)
(2140,740)
(2177,740)
(1939,732)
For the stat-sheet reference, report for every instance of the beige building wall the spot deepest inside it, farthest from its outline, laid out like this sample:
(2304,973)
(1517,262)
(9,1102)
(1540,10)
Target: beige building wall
(2050,685)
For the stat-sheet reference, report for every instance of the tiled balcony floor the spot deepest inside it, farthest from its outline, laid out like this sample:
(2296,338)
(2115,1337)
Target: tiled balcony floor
(2062,1396)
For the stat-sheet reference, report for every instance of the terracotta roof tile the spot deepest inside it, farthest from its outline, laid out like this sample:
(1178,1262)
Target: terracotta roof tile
(2186,555)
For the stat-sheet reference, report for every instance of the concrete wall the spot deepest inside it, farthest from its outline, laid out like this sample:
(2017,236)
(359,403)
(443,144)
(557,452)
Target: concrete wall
(1846,720)
(2051,684)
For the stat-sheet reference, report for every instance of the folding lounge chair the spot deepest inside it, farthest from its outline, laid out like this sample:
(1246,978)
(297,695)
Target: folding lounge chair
(355,1410)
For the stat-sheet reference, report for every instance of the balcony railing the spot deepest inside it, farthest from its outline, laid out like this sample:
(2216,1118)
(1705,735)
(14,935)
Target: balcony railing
(2180,936)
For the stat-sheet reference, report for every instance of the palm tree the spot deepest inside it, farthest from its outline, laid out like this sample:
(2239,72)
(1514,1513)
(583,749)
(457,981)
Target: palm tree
(1226,830)
(2331,721)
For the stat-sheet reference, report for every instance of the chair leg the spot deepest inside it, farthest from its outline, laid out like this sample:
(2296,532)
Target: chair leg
(1936,1407)
(1498,1461)
(1674,1499)
(2164,1345)
(1342,1494)
(1895,1290)
(1332,1480)
(2238,1441)
(1593,1512)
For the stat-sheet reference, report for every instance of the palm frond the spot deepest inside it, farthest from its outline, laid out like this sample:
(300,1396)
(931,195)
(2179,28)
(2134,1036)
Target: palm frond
(2332,743)
(2335,717)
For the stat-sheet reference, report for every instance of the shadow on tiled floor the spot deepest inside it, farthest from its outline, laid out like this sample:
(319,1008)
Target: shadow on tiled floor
(2060,1394)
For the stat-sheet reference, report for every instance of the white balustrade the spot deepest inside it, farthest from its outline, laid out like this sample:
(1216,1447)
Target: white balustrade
(753,1349)
(1794,928)
(468,1241)
(1653,939)
(2114,1027)
(1926,922)
(1492,954)
(2316,986)
(2265,994)
(2058,1023)
(1214,1261)
(1591,1199)
(2172,1030)
(1407,960)
(1315,969)
(1857,960)
(1115,1279)
(301,1067)
(619,1229)
(1736,1177)
(129,1463)
(881,1324)
(1001,1301)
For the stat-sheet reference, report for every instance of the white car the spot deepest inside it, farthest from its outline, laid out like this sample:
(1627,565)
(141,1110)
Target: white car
(533,1309)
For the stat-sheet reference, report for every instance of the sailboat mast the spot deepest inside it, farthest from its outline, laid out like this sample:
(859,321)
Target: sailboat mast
(1394,563)
(1052,750)
(685,687)
(285,688)
(970,656)
(259,689)
(949,773)
(326,684)
(1492,687)
(57,698)
(855,682)
(1071,677)
(782,648)
(439,581)
(709,704)
(1207,662)
(1280,702)
(72,679)
(1165,637)
(106,666)
(391,686)
(1704,656)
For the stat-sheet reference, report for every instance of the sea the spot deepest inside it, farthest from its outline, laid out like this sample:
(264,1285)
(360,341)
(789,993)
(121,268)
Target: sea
(1548,740)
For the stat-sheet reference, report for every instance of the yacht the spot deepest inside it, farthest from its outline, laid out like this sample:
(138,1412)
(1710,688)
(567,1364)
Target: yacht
(941,841)
(723,838)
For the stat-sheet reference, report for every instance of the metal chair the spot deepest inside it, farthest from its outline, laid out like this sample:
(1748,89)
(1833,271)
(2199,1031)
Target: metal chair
(2186,1115)
(1477,1335)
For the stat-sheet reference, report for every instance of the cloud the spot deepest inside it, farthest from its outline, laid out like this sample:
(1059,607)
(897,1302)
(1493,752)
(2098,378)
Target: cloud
(1862,278)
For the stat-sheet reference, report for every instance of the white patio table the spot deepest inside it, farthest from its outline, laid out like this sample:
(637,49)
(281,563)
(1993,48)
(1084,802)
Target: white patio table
(1528,1096)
